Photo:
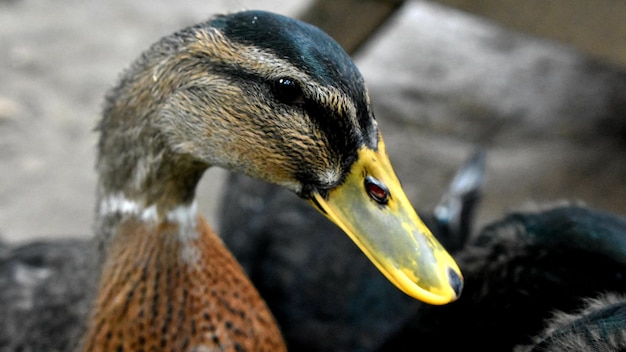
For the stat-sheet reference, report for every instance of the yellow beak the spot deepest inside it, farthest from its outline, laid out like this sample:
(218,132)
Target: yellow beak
(371,207)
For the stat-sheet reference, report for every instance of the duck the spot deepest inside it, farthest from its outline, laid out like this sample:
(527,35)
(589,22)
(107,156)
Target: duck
(266,96)
(44,293)
(597,326)
(551,278)
(529,285)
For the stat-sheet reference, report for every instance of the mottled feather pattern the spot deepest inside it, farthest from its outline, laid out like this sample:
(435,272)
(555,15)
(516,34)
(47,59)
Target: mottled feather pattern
(151,299)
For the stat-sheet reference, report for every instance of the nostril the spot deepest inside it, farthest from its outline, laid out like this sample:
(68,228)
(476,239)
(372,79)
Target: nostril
(377,190)
(456,281)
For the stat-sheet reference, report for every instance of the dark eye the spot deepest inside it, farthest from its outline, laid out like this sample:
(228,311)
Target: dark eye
(376,190)
(287,90)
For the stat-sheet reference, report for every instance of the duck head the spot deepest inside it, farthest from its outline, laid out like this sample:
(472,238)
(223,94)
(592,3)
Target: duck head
(278,100)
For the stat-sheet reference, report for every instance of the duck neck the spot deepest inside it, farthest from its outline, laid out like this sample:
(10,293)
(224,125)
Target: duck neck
(167,282)
(150,185)
(139,172)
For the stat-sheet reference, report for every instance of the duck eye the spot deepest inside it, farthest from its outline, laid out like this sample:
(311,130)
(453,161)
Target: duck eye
(287,90)
(376,190)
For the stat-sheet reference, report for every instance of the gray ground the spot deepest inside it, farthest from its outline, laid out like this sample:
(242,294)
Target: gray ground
(442,82)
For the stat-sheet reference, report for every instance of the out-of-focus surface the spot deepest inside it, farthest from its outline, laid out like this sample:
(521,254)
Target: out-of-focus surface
(596,27)
(442,83)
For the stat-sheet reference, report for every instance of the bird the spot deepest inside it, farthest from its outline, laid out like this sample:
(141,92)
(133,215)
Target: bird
(551,278)
(598,326)
(260,94)
(44,293)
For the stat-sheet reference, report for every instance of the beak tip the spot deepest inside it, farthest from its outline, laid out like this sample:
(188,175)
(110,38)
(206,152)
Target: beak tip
(456,282)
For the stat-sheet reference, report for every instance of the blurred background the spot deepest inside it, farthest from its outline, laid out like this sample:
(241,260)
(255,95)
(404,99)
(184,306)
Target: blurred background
(541,89)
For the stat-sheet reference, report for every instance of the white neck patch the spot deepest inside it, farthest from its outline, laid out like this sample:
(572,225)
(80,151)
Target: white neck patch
(185,216)
(119,204)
